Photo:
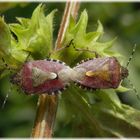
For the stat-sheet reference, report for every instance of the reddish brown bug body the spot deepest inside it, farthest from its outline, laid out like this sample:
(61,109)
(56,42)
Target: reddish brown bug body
(101,73)
(52,76)
(41,76)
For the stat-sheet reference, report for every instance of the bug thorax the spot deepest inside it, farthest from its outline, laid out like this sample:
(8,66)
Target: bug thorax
(124,72)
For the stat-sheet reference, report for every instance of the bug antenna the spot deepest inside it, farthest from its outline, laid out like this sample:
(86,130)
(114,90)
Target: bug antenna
(7,95)
(134,89)
(131,56)
(5,100)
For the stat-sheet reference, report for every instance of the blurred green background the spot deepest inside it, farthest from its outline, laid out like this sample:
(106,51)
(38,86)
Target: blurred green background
(121,20)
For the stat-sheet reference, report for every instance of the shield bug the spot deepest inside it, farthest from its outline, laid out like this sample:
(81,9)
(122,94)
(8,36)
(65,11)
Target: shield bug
(42,76)
(101,73)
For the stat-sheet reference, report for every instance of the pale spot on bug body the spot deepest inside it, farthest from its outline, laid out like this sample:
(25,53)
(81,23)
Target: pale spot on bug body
(39,76)
(65,74)
(90,73)
(68,74)
(102,74)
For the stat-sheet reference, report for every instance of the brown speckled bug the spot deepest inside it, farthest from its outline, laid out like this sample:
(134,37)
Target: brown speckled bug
(42,76)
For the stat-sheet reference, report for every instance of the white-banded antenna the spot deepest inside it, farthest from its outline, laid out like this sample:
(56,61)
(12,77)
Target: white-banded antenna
(7,95)
(131,56)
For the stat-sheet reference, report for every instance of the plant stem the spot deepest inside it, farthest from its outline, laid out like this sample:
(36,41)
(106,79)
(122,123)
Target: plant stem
(70,9)
(47,105)
(46,111)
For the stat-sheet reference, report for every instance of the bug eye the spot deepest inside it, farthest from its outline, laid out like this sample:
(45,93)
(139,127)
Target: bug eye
(124,72)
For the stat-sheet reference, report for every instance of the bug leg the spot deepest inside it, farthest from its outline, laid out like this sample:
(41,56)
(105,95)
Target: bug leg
(71,43)
(56,50)
(97,55)
(6,65)
(87,49)
(78,49)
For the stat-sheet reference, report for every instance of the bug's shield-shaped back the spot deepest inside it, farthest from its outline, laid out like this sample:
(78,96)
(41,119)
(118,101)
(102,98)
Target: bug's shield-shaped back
(42,76)
(100,73)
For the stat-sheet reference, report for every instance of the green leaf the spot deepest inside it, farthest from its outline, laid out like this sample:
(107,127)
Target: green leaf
(5,47)
(122,89)
(34,35)
(84,41)
(5,38)
(102,112)
(122,122)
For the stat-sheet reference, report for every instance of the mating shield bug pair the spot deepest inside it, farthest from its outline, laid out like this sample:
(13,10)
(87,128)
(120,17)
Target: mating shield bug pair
(52,76)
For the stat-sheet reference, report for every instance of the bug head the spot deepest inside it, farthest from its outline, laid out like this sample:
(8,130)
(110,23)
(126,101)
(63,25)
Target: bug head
(15,78)
(124,72)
